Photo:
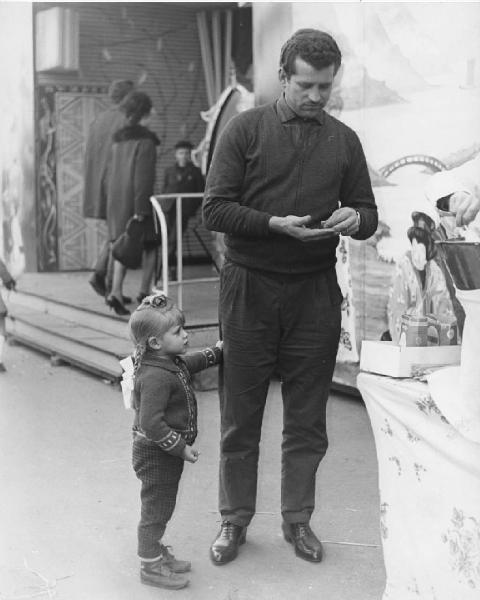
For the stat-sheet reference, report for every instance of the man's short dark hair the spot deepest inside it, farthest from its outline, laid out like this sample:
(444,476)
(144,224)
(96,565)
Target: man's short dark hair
(184,144)
(119,89)
(315,47)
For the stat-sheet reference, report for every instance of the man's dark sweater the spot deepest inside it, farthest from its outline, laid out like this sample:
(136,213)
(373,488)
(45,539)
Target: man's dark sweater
(270,162)
(188,179)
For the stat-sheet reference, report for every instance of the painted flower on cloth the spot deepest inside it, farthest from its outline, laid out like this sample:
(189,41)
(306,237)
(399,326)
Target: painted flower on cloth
(427,406)
(345,339)
(387,430)
(383,520)
(463,539)
(343,251)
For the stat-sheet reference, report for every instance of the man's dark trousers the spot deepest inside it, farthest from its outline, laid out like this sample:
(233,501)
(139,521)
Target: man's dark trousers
(289,324)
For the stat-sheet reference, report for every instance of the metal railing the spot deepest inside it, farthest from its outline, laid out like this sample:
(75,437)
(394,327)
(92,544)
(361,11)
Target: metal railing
(180,282)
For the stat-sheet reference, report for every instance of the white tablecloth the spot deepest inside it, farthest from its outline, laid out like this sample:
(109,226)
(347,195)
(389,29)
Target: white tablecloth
(429,480)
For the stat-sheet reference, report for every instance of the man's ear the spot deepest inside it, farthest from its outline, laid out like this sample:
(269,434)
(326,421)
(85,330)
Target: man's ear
(154,343)
(282,76)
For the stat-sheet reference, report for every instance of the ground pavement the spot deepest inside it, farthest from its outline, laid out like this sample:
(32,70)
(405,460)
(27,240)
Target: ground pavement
(69,501)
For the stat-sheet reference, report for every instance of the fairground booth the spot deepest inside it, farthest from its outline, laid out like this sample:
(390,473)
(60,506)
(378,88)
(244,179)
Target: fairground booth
(409,85)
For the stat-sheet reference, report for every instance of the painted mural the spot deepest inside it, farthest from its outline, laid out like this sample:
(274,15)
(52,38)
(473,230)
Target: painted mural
(17,201)
(409,86)
(413,99)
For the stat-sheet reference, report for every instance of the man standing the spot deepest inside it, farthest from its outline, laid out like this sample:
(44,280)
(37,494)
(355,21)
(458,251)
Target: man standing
(286,179)
(97,156)
(182,177)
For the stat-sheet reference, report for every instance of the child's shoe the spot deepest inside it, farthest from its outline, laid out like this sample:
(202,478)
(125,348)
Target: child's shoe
(177,566)
(159,575)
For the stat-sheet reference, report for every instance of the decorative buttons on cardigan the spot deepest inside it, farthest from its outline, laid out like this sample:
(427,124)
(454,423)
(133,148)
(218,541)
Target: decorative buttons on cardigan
(169,441)
(191,429)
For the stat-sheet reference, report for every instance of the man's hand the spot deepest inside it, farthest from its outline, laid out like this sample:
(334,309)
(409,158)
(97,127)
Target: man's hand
(219,344)
(297,227)
(344,221)
(465,206)
(190,454)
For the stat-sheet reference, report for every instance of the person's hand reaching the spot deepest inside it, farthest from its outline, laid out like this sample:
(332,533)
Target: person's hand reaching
(465,206)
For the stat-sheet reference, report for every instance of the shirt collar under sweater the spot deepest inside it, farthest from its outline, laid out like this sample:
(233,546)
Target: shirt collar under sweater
(287,114)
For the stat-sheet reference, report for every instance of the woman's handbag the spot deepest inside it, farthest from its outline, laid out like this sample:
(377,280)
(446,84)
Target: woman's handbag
(128,248)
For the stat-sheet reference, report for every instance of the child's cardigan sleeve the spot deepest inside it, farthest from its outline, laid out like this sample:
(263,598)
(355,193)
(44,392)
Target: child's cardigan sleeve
(203,359)
(151,418)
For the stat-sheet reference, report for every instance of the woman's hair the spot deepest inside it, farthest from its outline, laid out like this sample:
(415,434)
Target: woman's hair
(119,89)
(153,317)
(421,219)
(315,47)
(423,237)
(136,105)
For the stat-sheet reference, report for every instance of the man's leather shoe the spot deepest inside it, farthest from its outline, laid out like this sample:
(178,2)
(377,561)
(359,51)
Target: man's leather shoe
(225,547)
(159,575)
(305,542)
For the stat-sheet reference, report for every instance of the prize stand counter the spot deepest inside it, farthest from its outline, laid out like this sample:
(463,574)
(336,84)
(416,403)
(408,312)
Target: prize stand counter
(427,436)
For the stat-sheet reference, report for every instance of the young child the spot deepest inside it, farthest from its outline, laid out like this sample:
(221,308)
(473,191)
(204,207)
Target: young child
(164,429)
(9,283)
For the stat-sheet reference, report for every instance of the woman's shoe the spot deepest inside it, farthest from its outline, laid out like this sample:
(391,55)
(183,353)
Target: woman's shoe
(125,299)
(117,306)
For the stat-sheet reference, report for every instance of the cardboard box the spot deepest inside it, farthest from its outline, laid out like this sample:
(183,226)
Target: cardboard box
(388,358)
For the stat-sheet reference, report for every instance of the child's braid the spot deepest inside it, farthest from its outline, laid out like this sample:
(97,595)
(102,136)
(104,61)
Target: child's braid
(140,350)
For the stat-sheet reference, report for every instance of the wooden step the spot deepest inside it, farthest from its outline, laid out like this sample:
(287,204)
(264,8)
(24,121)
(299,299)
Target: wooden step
(86,357)
(200,335)
(110,324)
(94,341)
(93,344)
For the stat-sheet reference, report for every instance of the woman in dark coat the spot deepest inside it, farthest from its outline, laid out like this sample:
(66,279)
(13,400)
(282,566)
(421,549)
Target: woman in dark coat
(130,184)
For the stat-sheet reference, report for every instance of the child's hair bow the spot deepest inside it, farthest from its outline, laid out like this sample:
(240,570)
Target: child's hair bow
(127,382)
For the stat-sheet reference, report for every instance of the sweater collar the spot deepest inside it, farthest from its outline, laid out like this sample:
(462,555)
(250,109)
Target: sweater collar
(152,359)
(287,114)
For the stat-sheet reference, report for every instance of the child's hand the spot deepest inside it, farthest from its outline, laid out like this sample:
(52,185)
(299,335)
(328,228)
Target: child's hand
(190,454)
(219,344)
